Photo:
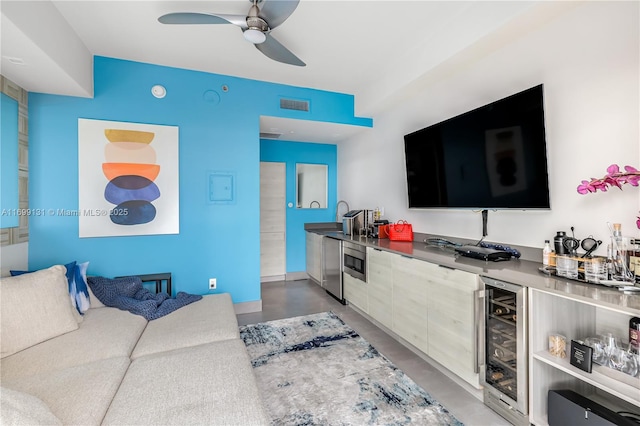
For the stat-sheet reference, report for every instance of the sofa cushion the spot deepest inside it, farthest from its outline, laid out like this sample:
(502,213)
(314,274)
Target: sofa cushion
(78,395)
(104,333)
(34,307)
(19,408)
(77,280)
(209,384)
(208,320)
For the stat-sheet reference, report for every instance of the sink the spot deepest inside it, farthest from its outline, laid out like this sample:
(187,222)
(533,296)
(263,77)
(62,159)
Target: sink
(336,234)
(324,227)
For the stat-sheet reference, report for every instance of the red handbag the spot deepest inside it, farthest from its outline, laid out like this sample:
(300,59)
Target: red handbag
(400,231)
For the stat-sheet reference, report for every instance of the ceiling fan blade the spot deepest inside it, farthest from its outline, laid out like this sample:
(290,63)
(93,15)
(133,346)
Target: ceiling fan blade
(275,12)
(276,51)
(203,18)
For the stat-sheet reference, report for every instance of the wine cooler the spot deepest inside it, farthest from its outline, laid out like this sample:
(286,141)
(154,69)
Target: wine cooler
(503,350)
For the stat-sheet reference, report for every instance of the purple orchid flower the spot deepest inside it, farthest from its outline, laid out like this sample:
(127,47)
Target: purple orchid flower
(614,177)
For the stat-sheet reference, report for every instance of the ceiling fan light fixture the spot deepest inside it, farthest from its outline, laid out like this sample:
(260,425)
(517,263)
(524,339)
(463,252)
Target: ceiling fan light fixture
(254,36)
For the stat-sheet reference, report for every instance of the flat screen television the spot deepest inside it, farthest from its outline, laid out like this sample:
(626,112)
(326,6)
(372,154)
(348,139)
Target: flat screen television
(493,157)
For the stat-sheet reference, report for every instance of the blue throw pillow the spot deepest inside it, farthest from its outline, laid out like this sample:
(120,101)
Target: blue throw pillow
(78,287)
(77,281)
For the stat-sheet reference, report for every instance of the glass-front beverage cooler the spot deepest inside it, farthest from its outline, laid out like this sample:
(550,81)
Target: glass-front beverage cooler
(503,370)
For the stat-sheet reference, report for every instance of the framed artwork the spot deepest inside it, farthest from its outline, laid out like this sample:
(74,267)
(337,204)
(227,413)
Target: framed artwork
(127,179)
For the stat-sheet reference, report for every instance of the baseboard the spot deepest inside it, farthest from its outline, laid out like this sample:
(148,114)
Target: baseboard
(295,276)
(272,278)
(248,307)
(289,276)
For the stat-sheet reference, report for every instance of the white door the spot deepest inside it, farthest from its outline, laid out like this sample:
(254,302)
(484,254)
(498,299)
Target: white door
(272,221)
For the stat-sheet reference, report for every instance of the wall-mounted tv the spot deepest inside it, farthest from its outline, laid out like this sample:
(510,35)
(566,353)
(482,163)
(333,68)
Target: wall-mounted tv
(493,157)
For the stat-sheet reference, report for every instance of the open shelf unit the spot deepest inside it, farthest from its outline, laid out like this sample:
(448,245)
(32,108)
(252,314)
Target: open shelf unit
(551,313)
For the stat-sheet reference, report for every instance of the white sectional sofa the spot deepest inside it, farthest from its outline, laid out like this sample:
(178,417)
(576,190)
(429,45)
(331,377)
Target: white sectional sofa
(112,367)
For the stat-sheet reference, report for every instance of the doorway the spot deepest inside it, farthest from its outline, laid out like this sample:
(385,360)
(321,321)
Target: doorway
(273,219)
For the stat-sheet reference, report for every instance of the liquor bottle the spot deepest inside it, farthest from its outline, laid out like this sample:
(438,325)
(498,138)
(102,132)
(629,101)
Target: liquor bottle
(634,260)
(610,267)
(546,251)
(634,335)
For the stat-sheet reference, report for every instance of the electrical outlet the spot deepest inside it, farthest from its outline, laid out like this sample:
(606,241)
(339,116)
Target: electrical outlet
(212,283)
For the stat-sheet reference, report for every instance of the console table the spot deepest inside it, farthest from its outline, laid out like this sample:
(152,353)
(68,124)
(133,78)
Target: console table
(158,279)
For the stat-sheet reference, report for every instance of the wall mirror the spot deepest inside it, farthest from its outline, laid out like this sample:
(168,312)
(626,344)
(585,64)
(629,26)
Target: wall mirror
(311,186)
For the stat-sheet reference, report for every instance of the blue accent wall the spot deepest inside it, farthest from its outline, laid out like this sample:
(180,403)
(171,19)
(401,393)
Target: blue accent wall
(217,132)
(302,152)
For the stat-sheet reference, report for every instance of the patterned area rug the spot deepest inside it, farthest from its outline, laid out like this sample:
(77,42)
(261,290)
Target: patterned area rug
(316,370)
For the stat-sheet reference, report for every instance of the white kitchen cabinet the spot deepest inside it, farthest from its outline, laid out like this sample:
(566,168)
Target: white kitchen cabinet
(429,306)
(314,256)
(380,285)
(574,319)
(452,320)
(410,289)
(355,292)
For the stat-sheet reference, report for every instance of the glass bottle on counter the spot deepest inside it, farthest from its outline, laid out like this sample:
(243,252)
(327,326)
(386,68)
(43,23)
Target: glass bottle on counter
(634,260)
(546,251)
(620,255)
(634,335)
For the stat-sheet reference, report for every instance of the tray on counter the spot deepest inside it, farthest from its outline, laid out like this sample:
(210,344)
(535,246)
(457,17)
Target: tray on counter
(620,285)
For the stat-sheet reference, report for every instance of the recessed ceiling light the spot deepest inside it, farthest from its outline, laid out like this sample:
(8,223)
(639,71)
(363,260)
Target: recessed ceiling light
(158,91)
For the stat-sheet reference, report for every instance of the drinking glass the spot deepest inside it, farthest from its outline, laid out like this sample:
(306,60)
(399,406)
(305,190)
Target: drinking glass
(595,269)
(629,363)
(567,266)
(599,350)
(612,344)
(622,359)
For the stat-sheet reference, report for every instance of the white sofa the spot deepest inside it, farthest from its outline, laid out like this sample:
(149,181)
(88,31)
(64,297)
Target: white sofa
(112,367)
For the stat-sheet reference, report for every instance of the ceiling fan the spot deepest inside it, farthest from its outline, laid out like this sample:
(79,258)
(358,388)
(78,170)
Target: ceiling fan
(256,26)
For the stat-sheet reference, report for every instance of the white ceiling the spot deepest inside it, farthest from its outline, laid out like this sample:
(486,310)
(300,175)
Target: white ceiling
(371,49)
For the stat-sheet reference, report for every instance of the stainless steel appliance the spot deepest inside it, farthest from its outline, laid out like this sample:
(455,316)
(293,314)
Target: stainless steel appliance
(354,260)
(503,350)
(352,222)
(332,267)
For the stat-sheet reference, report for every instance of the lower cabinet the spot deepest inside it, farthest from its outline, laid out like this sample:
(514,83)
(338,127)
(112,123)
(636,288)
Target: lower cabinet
(355,291)
(379,285)
(452,321)
(410,301)
(429,306)
(314,256)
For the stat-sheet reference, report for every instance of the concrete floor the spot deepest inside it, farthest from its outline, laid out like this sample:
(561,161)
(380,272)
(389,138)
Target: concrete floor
(295,298)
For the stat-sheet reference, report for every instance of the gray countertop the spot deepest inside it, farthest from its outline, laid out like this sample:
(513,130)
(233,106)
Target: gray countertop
(517,271)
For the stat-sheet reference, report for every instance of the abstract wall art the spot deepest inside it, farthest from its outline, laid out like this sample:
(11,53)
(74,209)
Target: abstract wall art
(127,179)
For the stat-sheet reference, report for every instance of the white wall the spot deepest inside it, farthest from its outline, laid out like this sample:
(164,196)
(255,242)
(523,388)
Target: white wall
(14,257)
(588,60)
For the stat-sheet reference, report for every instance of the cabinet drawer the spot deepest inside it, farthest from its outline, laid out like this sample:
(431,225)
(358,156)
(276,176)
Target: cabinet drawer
(355,291)
(454,279)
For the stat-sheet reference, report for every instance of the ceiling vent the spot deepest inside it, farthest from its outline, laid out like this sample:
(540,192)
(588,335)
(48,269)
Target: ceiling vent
(294,105)
(265,135)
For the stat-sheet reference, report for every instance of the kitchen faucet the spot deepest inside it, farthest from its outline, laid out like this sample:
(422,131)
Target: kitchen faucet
(338,207)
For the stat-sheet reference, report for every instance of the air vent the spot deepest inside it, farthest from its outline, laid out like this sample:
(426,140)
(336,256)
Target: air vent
(264,135)
(295,105)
